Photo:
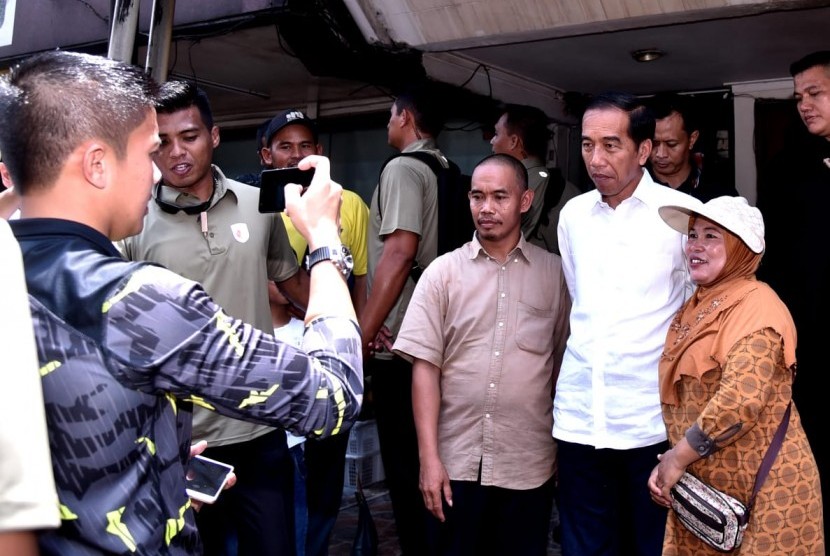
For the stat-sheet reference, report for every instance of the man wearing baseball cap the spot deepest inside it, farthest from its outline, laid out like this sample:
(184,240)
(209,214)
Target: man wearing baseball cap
(289,137)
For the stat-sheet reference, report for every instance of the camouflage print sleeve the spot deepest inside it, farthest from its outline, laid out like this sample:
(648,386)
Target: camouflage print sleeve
(166,335)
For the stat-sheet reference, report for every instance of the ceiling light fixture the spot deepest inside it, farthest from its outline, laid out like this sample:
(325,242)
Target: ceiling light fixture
(648,54)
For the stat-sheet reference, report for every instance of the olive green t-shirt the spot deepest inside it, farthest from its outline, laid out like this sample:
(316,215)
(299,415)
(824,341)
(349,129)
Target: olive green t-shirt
(239,251)
(408,201)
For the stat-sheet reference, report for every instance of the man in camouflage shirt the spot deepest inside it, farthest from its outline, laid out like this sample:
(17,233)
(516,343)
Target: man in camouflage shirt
(124,348)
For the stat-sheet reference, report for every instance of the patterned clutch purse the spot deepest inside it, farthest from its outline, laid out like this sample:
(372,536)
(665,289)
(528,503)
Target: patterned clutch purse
(716,518)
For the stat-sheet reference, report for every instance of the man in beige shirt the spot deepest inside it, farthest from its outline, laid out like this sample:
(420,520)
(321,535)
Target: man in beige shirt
(486,329)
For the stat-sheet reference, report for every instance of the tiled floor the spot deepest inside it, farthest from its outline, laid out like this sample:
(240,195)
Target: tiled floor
(381,508)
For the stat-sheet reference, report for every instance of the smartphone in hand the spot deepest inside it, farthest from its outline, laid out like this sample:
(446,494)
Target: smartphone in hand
(205,478)
(272,186)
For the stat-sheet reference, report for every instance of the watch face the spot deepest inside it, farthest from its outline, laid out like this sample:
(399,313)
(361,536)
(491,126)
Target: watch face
(340,256)
(347,261)
(347,256)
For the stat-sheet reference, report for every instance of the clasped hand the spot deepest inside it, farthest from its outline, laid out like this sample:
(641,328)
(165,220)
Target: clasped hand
(663,477)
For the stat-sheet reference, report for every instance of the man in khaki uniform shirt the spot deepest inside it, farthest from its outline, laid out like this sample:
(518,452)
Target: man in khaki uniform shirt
(403,226)
(522,132)
(207,228)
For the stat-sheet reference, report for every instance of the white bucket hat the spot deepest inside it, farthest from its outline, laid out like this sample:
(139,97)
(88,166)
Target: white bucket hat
(732,213)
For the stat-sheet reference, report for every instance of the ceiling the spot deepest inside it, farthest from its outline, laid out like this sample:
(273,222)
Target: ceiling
(699,55)
(705,49)
(341,57)
(535,51)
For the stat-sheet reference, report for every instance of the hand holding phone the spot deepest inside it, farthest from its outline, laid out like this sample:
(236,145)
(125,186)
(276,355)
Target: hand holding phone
(315,211)
(272,186)
(205,478)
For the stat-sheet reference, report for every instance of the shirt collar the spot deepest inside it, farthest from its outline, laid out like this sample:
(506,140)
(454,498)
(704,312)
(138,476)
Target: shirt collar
(173,196)
(690,183)
(421,145)
(42,228)
(532,162)
(646,192)
(475,249)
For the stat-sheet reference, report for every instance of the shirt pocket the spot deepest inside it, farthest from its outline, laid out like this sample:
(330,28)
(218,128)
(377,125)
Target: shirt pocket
(534,328)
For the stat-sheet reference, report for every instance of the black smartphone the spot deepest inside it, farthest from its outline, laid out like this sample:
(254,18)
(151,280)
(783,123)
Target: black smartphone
(272,186)
(205,478)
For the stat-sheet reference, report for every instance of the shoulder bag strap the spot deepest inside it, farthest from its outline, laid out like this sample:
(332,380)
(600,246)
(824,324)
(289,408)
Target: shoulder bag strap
(769,457)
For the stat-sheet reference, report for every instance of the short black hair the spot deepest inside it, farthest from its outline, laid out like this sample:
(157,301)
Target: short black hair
(664,105)
(180,95)
(531,124)
(52,102)
(819,58)
(507,160)
(423,103)
(640,116)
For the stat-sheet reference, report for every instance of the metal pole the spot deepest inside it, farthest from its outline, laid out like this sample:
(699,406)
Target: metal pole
(161,33)
(122,34)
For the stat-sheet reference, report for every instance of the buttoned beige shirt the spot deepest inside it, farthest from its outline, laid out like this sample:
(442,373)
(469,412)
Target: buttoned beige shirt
(497,331)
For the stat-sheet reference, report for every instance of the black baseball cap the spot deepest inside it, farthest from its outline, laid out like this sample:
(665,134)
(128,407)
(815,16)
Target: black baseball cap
(289,117)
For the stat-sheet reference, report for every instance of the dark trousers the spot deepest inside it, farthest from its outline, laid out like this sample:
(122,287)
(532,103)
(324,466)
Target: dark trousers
(392,398)
(809,397)
(300,508)
(603,501)
(325,461)
(259,509)
(493,521)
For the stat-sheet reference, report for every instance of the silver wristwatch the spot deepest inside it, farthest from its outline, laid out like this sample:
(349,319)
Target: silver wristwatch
(339,255)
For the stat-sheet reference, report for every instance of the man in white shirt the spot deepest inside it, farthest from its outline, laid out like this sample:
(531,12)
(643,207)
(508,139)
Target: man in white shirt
(627,277)
(28,500)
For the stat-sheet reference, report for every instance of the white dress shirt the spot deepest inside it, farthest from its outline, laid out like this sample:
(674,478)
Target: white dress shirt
(627,275)
(28,499)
